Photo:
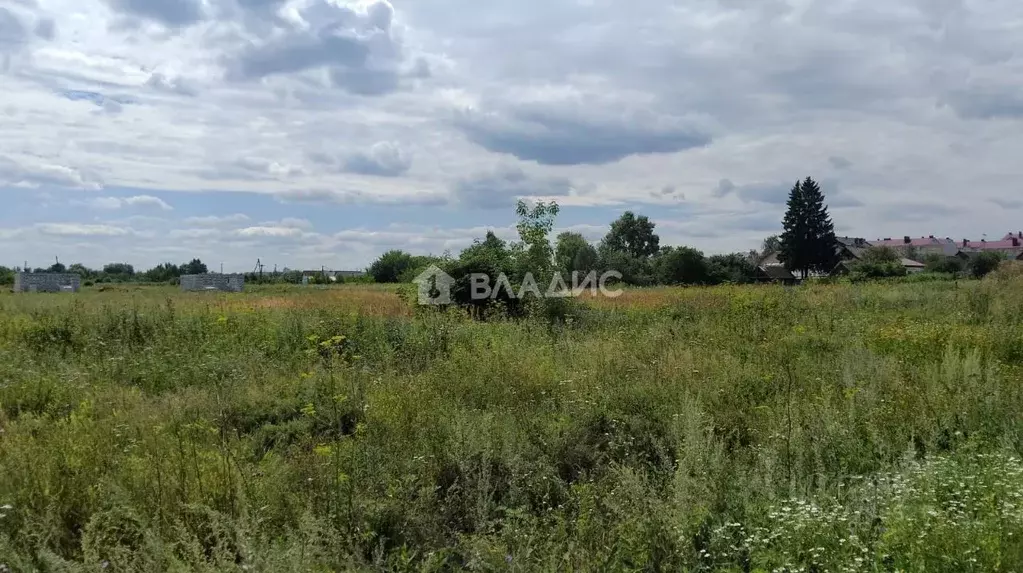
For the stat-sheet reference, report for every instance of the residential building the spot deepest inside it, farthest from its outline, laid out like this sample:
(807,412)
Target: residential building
(918,248)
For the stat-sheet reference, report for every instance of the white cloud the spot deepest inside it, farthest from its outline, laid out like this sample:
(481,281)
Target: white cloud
(365,105)
(136,201)
(82,230)
(216,221)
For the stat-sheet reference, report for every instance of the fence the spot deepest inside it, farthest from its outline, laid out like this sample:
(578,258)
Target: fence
(47,282)
(227,283)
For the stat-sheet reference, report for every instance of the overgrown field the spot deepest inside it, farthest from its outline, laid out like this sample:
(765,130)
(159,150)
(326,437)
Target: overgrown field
(820,428)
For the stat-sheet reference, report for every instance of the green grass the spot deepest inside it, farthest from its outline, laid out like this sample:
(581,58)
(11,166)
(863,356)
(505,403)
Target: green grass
(825,428)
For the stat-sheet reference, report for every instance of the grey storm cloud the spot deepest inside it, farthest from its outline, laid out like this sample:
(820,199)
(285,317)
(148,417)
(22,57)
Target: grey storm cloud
(574,133)
(500,188)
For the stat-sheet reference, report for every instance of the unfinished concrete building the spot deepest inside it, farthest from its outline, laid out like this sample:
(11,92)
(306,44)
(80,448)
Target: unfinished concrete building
(47,282)
(210,282)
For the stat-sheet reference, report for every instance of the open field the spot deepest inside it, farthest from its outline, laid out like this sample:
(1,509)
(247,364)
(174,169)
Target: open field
(838,428)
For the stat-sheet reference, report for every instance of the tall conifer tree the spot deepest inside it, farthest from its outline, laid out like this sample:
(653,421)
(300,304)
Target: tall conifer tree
(808,241)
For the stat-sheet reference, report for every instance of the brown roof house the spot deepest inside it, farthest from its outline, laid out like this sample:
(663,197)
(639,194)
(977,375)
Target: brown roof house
(775,274)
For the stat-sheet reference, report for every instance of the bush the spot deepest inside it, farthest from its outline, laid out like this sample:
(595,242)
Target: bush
(941,264)
(984,263)
(1008,270)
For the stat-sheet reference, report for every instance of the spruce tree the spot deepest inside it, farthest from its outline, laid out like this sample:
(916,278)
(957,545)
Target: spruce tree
(808,241)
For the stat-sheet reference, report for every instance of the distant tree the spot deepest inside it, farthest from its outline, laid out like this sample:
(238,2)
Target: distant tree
(680,266)
(57,267)
(770,244)
(876,263)
(573,253)
(982,264)
(6,276)
(632,235)
(535,225)
(162,273)
(82,271)
(193,267)
(880,255)
(734,268)
(808,240)
(634,271)
(390,266)
(936,263)
(120,270)
(419,264)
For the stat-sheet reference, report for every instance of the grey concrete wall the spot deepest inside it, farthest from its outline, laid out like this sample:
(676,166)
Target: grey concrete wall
(47,282)
(227,283)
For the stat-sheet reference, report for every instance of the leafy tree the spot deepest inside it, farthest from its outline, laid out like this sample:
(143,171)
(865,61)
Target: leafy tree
(574,253)
(632,235)
(6,276)
(808,241)
(390,266)
(82,270)
(163,273)
(491,257)
(734,268)
(634,271)
(57,267)
(535,226)
(681,266)
(120,270)
(935,263)
(770,245)
(982,264)
(419,264)
(193,267)
(876,263)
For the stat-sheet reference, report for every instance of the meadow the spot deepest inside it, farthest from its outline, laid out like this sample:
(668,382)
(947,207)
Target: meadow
(871,427)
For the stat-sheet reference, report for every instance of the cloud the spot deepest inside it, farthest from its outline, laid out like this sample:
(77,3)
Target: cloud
(174,85)
(170,13)
(253,169)
(771,193)
(1006,203)
(13,33)
(269,231)
(32,173)
(839,162)
(577,130)
(82,230)
(217,221)
(357,45)
(136,201)
(384,159)
(355,197)
(501,187)
(46,29)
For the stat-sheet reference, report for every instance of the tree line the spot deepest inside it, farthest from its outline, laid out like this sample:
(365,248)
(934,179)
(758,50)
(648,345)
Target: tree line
(115,272)
(631,247)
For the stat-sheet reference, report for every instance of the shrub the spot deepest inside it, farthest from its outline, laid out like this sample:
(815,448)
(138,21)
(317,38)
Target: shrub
(984,263)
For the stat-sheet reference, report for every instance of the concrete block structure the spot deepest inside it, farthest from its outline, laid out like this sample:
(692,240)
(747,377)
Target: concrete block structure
(47,282)
(207,282)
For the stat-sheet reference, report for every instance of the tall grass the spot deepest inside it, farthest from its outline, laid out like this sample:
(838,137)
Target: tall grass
(832,427)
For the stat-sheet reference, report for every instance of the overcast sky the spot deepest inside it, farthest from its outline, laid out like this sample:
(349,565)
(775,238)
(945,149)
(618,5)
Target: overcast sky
(323,132)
